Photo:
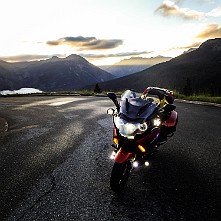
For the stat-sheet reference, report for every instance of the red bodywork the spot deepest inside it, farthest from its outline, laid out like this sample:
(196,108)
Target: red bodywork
(122,156)
(172,120)
(145,141)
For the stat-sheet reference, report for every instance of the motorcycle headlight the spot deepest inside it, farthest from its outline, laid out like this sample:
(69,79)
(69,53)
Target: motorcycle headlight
(143,127)
(130,128)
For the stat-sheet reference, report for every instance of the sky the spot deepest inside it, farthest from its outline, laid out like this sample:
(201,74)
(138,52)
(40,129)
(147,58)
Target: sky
(105,31)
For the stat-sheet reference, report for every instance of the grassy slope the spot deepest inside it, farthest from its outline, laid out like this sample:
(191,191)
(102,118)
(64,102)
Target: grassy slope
(202,98)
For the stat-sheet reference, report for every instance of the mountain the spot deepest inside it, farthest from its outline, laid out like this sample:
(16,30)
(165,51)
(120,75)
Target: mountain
(5,78)
(199,69)
(133,65)
(189,50)
(54,74)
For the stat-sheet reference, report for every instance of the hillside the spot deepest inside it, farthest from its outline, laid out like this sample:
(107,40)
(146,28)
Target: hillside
(133,65)
(54,74)
(5,78)
(201,69)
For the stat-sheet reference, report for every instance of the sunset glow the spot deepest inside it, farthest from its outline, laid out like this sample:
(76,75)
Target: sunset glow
(105,32)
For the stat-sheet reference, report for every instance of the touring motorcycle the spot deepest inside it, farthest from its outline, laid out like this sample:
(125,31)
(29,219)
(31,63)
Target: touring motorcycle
(141,125)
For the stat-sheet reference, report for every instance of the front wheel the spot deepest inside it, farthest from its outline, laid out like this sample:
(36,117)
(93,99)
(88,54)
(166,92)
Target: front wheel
(119,175)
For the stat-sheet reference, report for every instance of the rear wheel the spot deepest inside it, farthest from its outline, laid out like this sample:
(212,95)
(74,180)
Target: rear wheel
(119,175)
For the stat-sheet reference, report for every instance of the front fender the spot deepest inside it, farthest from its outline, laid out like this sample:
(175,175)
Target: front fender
(122,156)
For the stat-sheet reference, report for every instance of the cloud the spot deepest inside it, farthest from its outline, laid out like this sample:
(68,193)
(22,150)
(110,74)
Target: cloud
(27,57)
(179,1)
(210,31)
(200,1)
(87,43)
(123,54)
(205,1)
(169,8)
(216,12)
(193,45)
(187,47)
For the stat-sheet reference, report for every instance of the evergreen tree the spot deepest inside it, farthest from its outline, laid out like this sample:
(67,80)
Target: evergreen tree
(188,88)
(97,89)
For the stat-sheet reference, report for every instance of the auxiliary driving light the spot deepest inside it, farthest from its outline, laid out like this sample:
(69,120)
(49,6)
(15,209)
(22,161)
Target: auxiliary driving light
(146,163)
(135,164)
(157,122)
(113,155)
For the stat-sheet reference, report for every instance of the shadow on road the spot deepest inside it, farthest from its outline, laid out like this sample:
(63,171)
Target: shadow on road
(171,189)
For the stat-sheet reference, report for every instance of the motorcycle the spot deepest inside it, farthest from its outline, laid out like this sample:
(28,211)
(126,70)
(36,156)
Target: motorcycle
(141,125)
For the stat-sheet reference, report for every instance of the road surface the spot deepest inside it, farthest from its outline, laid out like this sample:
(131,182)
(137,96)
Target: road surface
(55,164)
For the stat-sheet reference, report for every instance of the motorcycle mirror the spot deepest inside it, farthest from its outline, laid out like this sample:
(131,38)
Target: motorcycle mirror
(110,111)
(113,97)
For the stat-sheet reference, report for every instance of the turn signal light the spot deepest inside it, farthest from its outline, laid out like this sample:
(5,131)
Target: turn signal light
(116,141)
(142,149)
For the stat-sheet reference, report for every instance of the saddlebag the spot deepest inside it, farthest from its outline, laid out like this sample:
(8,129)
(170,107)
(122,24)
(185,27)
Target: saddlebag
(169,126)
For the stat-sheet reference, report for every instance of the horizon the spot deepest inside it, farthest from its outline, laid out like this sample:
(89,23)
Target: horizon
(115,64)
(105,33)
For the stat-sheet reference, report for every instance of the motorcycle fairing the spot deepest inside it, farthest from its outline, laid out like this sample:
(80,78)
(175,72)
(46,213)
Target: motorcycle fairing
(148,140)
(122,156)
(172,120)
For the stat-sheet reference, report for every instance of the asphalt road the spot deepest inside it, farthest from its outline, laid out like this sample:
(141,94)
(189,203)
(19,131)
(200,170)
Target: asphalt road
(54,164)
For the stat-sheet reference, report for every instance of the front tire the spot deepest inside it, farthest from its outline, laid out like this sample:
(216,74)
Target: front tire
(119,175)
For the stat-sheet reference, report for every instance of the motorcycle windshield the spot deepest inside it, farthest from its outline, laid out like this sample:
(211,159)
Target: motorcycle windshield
(128,94)
(137,109)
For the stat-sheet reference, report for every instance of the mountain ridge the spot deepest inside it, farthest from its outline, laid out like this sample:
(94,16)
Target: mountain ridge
(53,74)
(201,67)
(132,65)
